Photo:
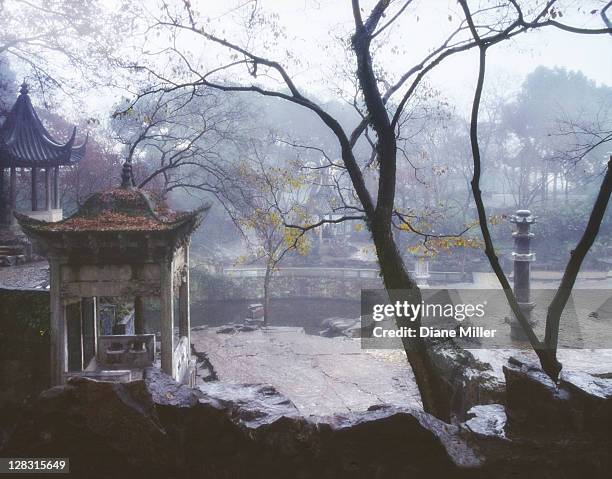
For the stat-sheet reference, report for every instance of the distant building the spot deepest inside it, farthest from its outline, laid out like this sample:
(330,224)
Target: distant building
(26,144)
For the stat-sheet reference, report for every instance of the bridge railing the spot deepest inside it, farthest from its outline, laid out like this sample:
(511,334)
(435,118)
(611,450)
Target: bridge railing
(373,273)
(301,272)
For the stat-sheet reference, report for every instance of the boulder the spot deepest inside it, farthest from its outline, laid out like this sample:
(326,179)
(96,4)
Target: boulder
(334,327)
(156,427)
(579,405)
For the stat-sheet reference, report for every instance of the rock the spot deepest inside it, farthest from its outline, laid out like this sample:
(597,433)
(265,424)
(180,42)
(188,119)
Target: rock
(469,381)
(487,420)
(252,405)
(156,427)
(334,327)
(227,330)
(590,386)
(581,404)
(105,429)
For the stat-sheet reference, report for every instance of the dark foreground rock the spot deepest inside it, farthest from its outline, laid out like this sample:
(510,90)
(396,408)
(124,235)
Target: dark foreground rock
(579,405)
(157,428)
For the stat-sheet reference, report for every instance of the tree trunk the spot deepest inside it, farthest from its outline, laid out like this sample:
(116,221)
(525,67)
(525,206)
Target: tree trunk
(401,287)
(398,282)
(266,298)
(556,307)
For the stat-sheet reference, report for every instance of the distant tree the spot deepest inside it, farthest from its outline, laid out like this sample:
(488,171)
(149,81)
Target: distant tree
(261,198)
(8,87)
(52,41)
(181,140)
(559,118)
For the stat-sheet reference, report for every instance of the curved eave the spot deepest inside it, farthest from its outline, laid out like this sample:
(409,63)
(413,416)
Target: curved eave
(26,143)
(181,227)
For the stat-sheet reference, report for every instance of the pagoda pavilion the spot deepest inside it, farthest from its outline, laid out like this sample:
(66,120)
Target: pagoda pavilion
(25,143)
(119,244)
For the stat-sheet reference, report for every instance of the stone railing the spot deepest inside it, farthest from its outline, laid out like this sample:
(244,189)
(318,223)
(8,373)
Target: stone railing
(304,272)
(438,276)
(126,351)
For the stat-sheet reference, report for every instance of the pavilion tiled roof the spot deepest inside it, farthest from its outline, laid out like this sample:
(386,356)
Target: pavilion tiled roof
(117,210)
(25,142)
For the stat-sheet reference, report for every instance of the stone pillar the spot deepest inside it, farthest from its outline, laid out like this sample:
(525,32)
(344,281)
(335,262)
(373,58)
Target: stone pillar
(523,257)
(96,315)
(34,174)
(3,202)
(47,188)
(138,315)
(56,196)
(57,326)
(421,269)
(184,314)
(12,195)
(166,303)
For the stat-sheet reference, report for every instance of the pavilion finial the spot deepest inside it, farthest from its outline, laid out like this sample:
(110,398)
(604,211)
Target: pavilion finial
(127,178)
(24,88)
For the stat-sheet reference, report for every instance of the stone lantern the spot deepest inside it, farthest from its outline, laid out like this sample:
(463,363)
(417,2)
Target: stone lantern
(522,257)
(120,243)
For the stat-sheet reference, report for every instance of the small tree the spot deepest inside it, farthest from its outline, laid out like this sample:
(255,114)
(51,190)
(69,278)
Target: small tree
(261,198)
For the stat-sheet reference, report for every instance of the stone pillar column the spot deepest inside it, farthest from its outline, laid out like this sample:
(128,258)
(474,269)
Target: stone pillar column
(166,303)
(34,175)
(12,195)
(138,315)
(56,196)
(3,201)
(421,269)
(57,326)
(47,188)
(523,257)
(184,314)
(96,315)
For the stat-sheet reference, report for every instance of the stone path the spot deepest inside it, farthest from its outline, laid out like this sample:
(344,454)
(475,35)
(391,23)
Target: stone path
(320,375)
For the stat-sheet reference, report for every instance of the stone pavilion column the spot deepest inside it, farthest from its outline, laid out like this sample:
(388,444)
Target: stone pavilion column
(166,303)
(47,188)
(3,202)
(184,314)
(56,196)
(34,174)
(12,195)
(57,326)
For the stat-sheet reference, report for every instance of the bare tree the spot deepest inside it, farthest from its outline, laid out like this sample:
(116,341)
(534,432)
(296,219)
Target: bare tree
(180,139)
(261,197)
(50,41)
(384,103)
(547,349)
